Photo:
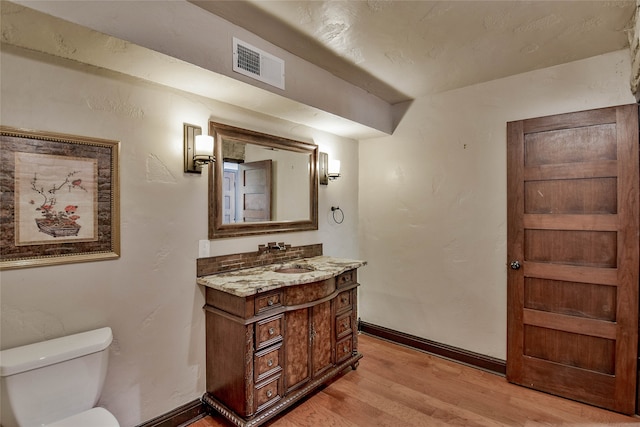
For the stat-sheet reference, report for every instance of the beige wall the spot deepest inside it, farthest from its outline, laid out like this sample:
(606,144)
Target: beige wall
(148,296)
(634,47)
(427,208)
(433,201)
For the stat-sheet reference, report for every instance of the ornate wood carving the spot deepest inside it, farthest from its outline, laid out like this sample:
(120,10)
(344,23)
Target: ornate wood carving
(248,366)
(261,361)
(285,403)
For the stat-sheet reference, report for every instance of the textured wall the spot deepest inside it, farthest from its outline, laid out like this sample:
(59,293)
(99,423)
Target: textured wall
(433,201)
(155,39)
(634,46)
(148,296)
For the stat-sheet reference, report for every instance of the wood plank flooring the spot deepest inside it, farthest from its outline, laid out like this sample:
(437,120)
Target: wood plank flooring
(396,386)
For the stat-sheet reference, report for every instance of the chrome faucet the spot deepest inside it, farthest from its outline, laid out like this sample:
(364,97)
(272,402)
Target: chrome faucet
(272,246)
(277,246)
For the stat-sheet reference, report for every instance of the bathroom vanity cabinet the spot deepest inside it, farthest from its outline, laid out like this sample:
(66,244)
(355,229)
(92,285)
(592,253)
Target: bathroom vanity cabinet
(269,349)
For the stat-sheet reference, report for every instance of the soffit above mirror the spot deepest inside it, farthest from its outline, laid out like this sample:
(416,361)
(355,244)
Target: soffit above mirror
(191,63)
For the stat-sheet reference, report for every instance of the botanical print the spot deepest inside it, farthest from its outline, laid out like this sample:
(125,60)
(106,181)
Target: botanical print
(55,198)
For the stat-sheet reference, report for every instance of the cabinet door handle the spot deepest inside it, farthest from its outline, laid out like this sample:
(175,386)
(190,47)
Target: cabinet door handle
(269,393)
(271,331)
(270,362)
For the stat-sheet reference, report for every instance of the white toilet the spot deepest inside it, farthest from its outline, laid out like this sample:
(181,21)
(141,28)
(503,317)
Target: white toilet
(56,383)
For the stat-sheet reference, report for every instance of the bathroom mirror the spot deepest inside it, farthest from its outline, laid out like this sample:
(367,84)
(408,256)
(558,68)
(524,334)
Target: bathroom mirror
(261,184)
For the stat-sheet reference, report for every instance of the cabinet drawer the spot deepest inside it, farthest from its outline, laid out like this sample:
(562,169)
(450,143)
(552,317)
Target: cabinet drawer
(268,331)
(268,301)
(346,278)
(343,348)
(268,393)
(267,362)
(343,301)
(343,325)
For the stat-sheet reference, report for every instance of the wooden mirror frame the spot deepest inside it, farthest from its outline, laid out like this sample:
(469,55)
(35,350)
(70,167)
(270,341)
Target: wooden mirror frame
(217,229)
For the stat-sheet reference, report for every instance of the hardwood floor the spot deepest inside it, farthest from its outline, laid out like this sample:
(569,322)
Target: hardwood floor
(396,386)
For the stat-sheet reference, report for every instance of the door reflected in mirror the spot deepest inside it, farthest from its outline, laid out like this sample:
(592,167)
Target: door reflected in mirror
(269,185)
(261,184)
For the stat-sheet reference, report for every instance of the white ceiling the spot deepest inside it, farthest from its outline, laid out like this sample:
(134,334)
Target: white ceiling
(401,50)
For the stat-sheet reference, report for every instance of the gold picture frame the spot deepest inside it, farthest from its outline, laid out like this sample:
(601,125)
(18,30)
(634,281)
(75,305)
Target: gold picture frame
(59,198)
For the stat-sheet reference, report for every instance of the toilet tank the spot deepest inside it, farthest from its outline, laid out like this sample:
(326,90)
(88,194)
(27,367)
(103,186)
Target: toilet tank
(44,382)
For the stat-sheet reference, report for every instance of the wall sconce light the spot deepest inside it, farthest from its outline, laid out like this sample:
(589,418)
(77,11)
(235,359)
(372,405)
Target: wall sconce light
(198,148)
(334,169)
(327,170)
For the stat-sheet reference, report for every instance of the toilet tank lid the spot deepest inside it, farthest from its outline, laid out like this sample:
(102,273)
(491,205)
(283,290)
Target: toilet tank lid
(21,359)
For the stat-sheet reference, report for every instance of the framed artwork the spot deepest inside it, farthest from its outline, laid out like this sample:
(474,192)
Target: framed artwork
(59,198)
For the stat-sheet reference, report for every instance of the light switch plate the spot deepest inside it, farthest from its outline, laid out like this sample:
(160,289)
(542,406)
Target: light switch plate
(203,248)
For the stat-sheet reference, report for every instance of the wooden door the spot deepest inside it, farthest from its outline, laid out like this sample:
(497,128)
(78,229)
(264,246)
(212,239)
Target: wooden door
(255,191)
(572,237)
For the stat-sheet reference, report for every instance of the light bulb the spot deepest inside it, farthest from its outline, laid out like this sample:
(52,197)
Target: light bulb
(204,145)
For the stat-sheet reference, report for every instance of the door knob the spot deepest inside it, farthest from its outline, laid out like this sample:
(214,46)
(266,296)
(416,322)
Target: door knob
(515,265)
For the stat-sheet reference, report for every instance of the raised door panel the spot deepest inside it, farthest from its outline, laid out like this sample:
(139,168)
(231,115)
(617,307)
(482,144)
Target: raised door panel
(227,374)
(229,197)
(255,191)
(296,348)
(321,338)
(573,249)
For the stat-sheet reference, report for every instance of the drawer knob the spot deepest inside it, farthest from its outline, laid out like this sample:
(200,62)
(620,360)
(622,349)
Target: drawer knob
(345,300)
(345,349)
(345,325)
(269,302)
(270,362)
(271,331)
(269,393)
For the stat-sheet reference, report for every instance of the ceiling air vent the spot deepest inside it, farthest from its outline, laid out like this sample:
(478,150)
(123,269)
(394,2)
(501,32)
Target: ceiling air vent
(257,64)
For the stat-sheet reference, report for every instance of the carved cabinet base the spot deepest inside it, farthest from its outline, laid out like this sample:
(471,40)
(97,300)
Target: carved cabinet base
(283,404)
(267,351)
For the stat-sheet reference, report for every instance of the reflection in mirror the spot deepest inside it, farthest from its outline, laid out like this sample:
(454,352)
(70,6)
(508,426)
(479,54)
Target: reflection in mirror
(261,184)
(264,184)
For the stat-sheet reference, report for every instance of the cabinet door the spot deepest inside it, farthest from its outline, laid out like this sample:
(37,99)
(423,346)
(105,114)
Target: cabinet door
(321,338)
(296,348)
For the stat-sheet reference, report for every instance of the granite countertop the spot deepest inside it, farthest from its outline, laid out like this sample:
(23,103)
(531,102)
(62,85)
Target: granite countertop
(250,281)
